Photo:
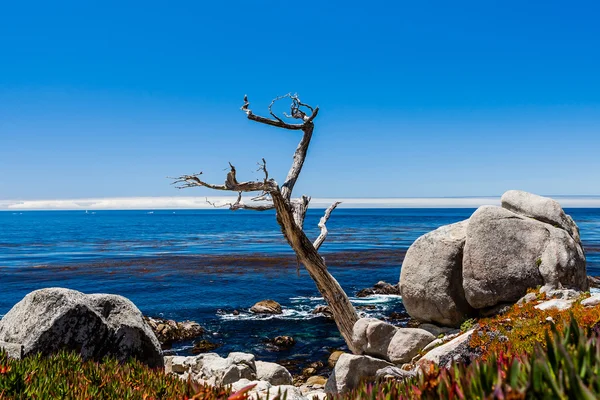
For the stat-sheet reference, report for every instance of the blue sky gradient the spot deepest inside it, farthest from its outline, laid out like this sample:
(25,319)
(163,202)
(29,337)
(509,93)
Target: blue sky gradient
(419,99)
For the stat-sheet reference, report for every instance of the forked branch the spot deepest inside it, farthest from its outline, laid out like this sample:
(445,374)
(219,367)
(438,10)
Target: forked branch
(322,224)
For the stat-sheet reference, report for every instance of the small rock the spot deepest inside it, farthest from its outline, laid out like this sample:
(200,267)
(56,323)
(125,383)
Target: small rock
(593,281)
(273,373)
(528,298)
(555,304)
(316,380)
(266,307)
(394,373)
(564,294)
(204,346)
(333,358)
(434,329)
(281,343)
(350,370)
(324,311)
(455,350)
(168,331)
(434,344)
(380,287)
(592,301)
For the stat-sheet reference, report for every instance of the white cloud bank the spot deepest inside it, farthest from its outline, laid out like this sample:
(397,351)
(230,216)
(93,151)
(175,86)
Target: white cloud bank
(158,203)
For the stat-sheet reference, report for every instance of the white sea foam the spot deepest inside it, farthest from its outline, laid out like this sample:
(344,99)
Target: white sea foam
(302,308)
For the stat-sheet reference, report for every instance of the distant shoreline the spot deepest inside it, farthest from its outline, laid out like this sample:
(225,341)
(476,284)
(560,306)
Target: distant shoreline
(200,203)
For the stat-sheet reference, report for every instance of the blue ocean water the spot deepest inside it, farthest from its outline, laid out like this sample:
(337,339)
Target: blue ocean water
(204,264)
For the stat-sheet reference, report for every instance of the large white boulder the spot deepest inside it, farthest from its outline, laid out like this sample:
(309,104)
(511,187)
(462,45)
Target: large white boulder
(507,253)
(431,277)
(95,325)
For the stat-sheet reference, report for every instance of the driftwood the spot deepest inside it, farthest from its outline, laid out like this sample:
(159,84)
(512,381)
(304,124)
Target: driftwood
(290,212)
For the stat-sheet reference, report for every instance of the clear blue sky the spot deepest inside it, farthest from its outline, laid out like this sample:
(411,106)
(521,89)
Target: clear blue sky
(417,98)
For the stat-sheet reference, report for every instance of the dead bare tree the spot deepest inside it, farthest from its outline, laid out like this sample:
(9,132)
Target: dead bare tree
(290,212)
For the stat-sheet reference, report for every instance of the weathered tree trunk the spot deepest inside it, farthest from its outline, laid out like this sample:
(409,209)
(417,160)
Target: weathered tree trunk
(291,212)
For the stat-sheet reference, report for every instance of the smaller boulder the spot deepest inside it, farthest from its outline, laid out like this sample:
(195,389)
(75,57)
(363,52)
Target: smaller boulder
(456,350)
(333,358)
(380,339)
(380,287)
(555,304)
(407,343)
(273,373)
(204,346)
(316,380)
(280,343)
(592,301)
(324,311)
(267,307)
(350,370)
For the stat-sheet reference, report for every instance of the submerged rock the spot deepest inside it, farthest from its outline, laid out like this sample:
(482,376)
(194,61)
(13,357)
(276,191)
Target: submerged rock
(266,307)
(95,325)
(380,287)
(281,343)
(168,331)
(204,346)
(324,311)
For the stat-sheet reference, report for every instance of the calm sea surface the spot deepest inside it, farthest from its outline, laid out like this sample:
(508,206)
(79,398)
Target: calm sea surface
(204,264)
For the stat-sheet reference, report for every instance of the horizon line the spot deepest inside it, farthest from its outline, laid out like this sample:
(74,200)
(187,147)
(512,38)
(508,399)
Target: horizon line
(200,202)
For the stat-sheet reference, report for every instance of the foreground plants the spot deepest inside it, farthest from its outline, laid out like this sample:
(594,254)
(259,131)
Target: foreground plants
(67,376)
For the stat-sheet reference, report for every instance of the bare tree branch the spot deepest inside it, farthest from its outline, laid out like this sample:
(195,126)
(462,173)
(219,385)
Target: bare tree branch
(231,183)
(323,235)
(240,205)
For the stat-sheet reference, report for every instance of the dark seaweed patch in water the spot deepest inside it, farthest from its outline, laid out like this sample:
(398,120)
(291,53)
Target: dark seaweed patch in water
(224,264)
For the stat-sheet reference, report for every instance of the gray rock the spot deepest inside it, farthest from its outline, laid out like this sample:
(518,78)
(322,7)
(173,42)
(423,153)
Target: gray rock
(543,209)
(592,301)
(264,389)
(13,350)
(266,307)
(564,294)
(273,373)
(224,371)
(380,339)
(373,336)
(406,343)
(528,298)
(555,304)
(350,370)
(394,372)
(505,254)
(96,325)
(436,330)
(431,277)
(456,350)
